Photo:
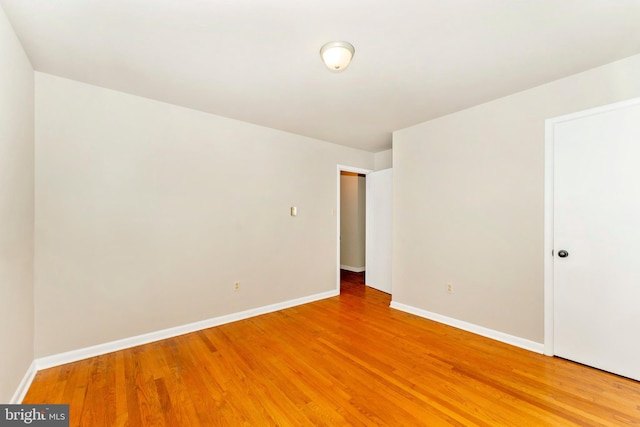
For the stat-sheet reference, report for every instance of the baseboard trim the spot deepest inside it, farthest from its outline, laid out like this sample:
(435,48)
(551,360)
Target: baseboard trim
(24,385)
(353,269)
(109,347)
(470,327)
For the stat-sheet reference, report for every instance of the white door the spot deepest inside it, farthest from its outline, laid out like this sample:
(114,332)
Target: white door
(596,205)
(378,224)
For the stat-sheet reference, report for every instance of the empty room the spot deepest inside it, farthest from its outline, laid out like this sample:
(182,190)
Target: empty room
(305,213)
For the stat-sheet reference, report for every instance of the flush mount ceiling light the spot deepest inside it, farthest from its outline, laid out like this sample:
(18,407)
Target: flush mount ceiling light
(337,55)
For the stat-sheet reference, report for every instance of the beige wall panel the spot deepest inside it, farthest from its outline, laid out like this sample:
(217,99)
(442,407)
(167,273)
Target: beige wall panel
(148,213)
(468,202)
(16,211)
(383,160)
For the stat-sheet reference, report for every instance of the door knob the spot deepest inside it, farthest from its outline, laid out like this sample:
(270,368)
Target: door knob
(563,254)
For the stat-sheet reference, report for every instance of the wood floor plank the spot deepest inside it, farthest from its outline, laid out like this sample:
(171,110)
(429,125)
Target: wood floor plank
(347,360)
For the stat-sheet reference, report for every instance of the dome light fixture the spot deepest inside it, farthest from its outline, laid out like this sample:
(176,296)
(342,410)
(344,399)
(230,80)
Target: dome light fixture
(337,55)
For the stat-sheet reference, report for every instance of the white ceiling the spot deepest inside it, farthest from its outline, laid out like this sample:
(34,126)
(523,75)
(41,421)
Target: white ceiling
(258,60)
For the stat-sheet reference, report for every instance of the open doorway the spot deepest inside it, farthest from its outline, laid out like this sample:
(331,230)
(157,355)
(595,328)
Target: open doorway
(352,226)
(378,224)
(351,219)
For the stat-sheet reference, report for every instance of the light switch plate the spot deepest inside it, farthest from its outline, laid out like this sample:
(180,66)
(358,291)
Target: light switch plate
(294,211)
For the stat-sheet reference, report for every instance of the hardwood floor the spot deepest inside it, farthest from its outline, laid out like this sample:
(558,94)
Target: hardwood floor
(347,360)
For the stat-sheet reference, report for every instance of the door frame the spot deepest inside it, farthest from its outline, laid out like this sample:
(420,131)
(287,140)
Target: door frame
(344,168)
(549,212)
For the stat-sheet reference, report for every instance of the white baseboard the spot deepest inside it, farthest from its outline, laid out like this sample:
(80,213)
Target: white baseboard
(353,269)
(470,327)
(24,385)
(109,347)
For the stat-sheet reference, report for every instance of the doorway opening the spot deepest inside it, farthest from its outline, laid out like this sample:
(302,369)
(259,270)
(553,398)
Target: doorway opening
(352,226)
(351,221)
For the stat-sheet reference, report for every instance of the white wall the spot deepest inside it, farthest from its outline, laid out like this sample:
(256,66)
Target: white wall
(147,213)
(16,211)
(352,221)
(383,160)
(468,202)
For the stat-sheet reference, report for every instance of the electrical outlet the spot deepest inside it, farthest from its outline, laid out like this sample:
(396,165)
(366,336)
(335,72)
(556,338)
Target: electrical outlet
(449,288)
(236,286)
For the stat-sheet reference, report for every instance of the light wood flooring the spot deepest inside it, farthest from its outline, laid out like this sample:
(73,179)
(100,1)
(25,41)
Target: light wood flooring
(347,360)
